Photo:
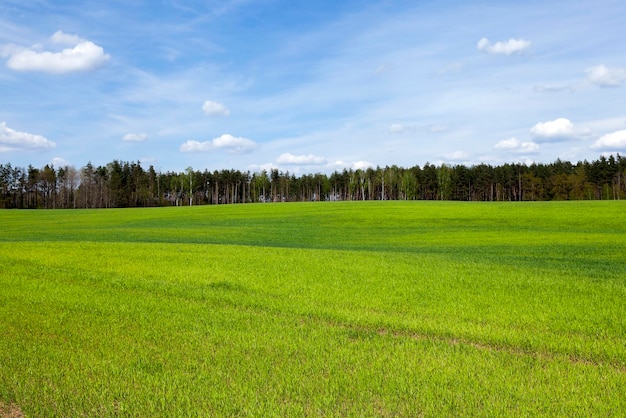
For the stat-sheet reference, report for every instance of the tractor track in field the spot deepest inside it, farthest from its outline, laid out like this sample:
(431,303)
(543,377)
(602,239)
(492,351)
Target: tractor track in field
(482,346)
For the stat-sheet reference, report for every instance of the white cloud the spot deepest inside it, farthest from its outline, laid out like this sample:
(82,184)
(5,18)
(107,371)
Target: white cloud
(553,89)
(12,140)
(457,156)
(309,159)
(507,144)
(135,137)
(515,145)
(84,56)
(196,146)
(9,49)
(355,165)
(59,162)
(66,39)
(215,109)
(512,46)
(557,130)
(233,144)
(398,128)
(147,160)
(611,142)
(528,148)
(361,165)
(435,128)
(604,76)
(263,167)
(226,142)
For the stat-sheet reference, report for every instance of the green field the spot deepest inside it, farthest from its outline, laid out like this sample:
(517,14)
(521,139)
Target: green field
(315,309)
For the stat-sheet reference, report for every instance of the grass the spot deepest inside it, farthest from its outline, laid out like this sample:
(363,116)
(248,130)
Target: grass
(338,309)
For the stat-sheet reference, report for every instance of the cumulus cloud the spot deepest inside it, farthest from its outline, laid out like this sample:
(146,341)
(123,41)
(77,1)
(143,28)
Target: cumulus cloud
(309,159)
(66,39)
(355,165)
(226,142)
(215,109)
(12,140)
(233,144)
(615,141)
(83,56)
(59,162)
(528,148)
(507,144)
(512,46)
(135,137)
(197,146)
(560,129)
(515,145)
(604,76)
(361,165)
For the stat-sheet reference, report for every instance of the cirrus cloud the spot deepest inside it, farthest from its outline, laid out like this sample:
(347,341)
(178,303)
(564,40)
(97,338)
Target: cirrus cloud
(12,140)
(615,141)
(512,46)
(84,56)
(226,142)
(399,128)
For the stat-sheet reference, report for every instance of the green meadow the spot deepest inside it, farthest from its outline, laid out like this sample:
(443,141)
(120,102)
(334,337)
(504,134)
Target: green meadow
(315,309)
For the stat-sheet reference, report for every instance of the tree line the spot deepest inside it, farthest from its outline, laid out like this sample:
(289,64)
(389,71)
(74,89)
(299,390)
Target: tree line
(127,184)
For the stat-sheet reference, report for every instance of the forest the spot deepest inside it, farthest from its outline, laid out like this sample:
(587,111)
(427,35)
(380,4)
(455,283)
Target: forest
(128,184)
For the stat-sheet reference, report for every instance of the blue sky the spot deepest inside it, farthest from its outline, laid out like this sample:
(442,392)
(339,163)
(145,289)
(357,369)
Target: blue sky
(307,86)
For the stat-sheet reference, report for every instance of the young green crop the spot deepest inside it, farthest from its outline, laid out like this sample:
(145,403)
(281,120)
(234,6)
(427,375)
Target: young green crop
(345,309)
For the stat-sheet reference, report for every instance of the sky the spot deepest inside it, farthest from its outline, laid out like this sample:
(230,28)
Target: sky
(310,86)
